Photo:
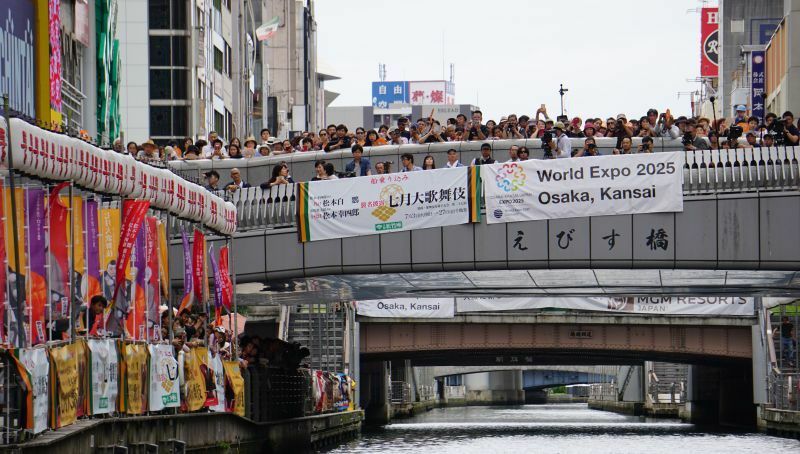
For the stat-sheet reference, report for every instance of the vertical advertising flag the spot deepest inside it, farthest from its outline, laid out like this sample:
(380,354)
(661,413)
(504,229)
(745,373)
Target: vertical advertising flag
(38,368)
(757,82)
(188,276)
(217,288)
(3,267)
(227,285)
(199,265)
(152,288)
(108,231)
(16,277)
(92,242)
(77,253)
(235,383)
(103,376)
(163,259)
(136,317)
(164,383)
(37,259)
(55,54)
(136,373)
(66,385)
(59,274)
(709,42)
(133,212)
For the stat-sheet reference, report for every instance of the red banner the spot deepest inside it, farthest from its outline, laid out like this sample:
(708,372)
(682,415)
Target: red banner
(153,292)
(3,302)
(198,265)
(709,42)
(225,275)
(133,212)
(59,251)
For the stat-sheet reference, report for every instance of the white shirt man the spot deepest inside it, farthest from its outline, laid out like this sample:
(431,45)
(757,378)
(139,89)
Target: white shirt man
(452,159)
(563,146)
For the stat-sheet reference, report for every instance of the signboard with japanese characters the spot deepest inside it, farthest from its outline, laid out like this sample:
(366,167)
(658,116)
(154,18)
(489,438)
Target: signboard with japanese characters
(757,84)
(709,42)
(385,203)
(431,92)
(572,188)
(385,93)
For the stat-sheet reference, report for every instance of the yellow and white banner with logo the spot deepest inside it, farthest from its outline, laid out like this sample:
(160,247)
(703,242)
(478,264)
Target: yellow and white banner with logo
(165,388)
(386,203)
(585,186)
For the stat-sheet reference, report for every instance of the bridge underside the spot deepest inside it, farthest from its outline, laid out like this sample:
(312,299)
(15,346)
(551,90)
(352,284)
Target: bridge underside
(443,344)
(521,283)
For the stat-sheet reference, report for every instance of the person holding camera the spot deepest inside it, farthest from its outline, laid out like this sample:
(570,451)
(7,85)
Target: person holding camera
(791,133)
(434,133)
(512,128)
(589,148)
(475,130)
(647,145)
(691,141)
(559,144)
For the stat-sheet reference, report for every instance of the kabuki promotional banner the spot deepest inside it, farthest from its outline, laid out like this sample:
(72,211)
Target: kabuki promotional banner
(386,203)
(568,188)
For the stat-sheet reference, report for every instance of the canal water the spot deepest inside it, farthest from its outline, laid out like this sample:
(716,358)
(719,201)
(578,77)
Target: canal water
(556,428)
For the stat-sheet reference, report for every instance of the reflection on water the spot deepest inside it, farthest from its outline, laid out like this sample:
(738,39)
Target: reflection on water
(562,428)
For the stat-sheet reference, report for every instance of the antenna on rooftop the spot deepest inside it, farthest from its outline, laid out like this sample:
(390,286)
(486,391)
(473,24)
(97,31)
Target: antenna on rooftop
(382,72)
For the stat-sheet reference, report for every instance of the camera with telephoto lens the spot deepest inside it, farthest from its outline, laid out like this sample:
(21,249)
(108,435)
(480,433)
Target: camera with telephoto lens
(734,132)
(687,138)
(779,132)
(547,137)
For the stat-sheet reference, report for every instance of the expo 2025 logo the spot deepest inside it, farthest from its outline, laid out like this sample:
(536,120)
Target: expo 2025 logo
(510,177)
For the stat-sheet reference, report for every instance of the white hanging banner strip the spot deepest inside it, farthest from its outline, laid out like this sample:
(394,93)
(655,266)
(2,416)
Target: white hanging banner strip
(104,375)
(593,186)
(36,362)
(407,308)
(164,384)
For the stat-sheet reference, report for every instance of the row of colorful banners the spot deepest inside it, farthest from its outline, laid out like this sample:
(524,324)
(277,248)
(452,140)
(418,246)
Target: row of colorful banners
(514,191)
(725,306)
(104,376)
(119,251)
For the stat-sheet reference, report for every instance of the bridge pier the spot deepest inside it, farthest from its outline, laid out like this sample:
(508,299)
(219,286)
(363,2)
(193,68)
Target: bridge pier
(720,396)
(495,388)
(375,388)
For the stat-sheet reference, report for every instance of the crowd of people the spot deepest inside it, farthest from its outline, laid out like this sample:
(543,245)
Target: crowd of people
(695,133)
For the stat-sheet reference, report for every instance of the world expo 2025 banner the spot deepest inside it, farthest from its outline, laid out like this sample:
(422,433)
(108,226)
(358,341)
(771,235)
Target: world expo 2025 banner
(577,187)
(387,203)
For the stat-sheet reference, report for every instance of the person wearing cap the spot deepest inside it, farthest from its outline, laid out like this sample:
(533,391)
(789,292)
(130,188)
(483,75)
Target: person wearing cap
(149,152)
(751,140)
(561,146)
(485,157)
(589,129)
(741,117)
(212,176)
(249,149)
(402,124)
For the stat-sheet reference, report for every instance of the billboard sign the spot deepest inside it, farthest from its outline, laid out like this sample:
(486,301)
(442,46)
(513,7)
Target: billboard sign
(709,42)
(17,19)
(385,93)
(437,92)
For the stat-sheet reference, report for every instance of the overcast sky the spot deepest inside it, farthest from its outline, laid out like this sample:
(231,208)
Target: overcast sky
(510,55)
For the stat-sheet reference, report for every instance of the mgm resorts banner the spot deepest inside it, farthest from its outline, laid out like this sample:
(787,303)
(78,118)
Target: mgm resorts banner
(592,186)
(407,308)
(657,305)
(386,203)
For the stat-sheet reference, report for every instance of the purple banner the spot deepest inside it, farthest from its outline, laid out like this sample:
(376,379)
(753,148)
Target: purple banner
(139,310)
(92,242)
(217,280)
(37,262)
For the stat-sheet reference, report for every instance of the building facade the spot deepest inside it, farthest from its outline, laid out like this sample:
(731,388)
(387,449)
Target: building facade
(783,63)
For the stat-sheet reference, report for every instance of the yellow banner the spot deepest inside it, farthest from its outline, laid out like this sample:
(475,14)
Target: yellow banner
(82,356)
(66,374)
(195,362)
(10,251)
(108,220)
(234,377)
(78,263)
(135,379)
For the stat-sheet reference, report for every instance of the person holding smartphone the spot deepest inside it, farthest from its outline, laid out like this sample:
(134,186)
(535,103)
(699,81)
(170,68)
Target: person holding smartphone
(475,129)
(434,133)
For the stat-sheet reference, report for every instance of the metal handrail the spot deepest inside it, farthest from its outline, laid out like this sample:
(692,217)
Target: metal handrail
(705,172)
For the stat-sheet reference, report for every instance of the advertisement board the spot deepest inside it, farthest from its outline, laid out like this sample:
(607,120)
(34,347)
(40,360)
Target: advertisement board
(431,92)
(385,93)
(17,22)
(709,42)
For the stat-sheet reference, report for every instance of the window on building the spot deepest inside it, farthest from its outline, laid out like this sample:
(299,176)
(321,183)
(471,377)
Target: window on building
(228,124)
(169,84)
(169,121)
(167,14)
(218,5)
(168,51)
(228,59)
(218,59)
(219,123)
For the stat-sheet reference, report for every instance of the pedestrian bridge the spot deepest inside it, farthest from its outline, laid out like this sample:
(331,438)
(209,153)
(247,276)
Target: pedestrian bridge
(737,235)
(557,339)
